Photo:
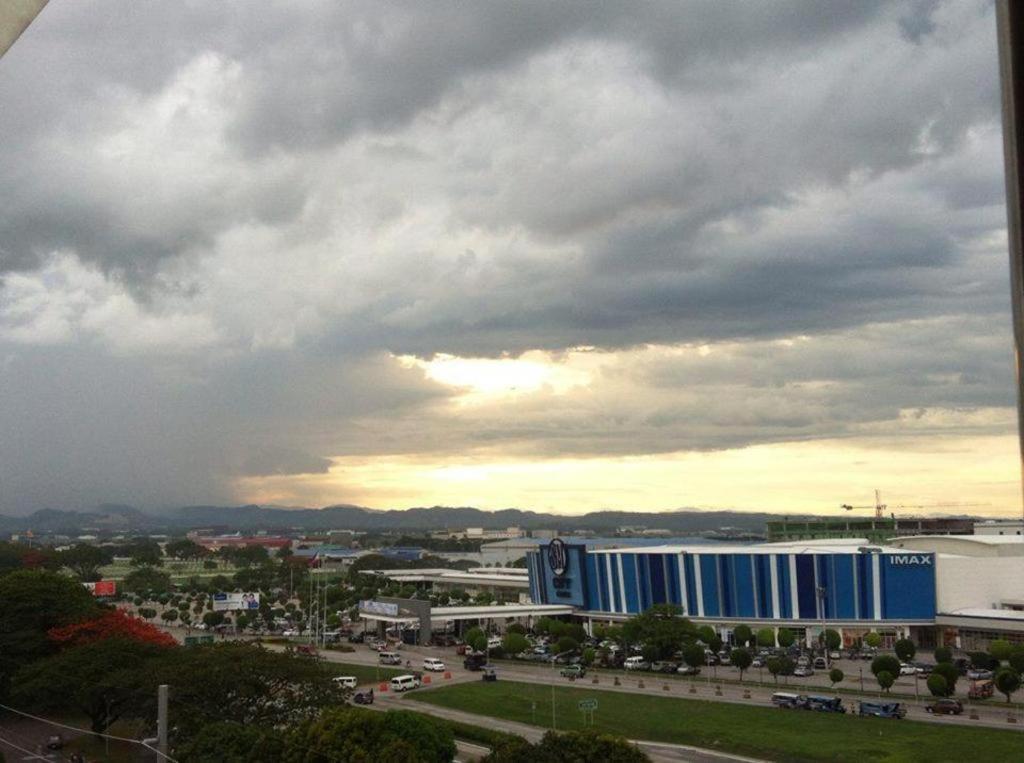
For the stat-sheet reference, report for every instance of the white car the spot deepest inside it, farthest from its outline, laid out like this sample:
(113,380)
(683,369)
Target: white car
(493,642)
(434,665)
(404,683)
(907,670)
(349,682)
(289,632)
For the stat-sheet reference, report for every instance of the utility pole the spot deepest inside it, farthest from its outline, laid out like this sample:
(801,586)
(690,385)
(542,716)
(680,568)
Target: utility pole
(161,720)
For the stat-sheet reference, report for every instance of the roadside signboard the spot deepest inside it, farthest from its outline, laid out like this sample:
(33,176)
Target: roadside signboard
(102,587)
(226,602)
(588,705)
(371,607)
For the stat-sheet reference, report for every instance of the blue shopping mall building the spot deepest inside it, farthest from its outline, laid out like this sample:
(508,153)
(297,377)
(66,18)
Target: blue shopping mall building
(851,587)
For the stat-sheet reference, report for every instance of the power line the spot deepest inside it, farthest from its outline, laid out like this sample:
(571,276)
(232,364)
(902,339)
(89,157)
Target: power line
(88,731)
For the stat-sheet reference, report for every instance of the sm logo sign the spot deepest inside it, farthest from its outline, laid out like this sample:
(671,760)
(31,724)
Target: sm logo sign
(905,560)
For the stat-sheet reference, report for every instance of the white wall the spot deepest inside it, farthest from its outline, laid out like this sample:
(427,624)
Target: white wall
(962,582)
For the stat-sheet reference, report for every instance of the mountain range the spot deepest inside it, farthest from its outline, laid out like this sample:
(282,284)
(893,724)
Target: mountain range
(345,517)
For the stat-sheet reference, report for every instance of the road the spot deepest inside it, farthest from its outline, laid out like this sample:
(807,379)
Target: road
(654,684)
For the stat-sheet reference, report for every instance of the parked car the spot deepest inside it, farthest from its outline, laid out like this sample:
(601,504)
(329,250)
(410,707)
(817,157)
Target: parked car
(687,670)
(635,663)
(433,664)
(835,655)
(356,638)
(882,709)
(664,667)
(820,663)
(573,671)
(723,658)
(907,670)
(803,661)
(803,671)
(788,701)
(364,697)
(979,674)
(54,742)
(494,642)
(825,704)
(948,706)
(757,662)
(924,668)
(404,683)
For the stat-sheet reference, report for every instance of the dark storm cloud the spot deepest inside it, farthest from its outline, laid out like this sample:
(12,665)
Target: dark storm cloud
(218,219)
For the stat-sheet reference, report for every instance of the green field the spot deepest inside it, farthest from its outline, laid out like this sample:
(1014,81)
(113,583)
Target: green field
(365,674)
(764,732)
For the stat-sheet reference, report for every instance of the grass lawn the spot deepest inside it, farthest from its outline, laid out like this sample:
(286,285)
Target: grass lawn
(764,732)
(365,674)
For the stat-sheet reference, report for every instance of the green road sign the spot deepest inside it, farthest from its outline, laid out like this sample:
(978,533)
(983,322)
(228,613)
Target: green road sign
(588,704)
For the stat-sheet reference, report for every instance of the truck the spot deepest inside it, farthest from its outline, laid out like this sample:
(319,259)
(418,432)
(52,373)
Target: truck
(474,661)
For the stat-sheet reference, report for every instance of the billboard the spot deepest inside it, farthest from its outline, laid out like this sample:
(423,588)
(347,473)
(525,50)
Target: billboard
(224,602)
(102,587)
(370,607)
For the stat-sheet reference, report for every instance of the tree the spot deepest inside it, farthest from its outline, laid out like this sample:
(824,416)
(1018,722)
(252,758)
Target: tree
(943,654)
(873,640)
(85,561)
(937,685)
(1000,649)
(185,548)
(693,655)
(588,656)
(213,619)
(905,649)
(241,683)
(1007,680)
(110,624)
(232,743)
(949,674)
(95,679)
(742,634)
(476,639)
(146,553)
(514,643)
(705,633)
(566,644)
(786,638)
(169,615)
(983,661)
(32,602)
(571,747)
(766,637)
(662,628)
(836,676)
(832,639)
(885,663)
(1017,659)
(147,580)
(780,666)
(354,734)
(885,680)
(516,628)
(741,659)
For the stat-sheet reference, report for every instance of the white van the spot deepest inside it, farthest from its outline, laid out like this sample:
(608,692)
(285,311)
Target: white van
(389,658)
(635,663)
(404,683)
(433,664)
(349,682)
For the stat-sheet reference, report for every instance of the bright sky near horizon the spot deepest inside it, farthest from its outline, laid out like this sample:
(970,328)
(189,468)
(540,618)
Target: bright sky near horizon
(558,256)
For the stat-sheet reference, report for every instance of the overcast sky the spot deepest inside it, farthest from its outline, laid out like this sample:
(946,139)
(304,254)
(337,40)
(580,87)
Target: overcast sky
(561,256)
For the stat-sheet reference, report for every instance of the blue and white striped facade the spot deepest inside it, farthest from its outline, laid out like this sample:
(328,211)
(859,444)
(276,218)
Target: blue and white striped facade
(748,583)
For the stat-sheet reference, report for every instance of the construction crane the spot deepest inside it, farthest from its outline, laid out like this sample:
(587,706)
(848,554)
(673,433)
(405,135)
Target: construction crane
(880,507)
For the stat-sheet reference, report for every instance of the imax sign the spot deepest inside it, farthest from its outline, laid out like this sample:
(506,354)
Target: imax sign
(903,560)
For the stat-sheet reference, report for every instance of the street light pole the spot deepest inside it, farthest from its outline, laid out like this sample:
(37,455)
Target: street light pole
(821,590)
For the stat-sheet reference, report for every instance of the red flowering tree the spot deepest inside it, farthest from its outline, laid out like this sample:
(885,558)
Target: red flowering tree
(112,623)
